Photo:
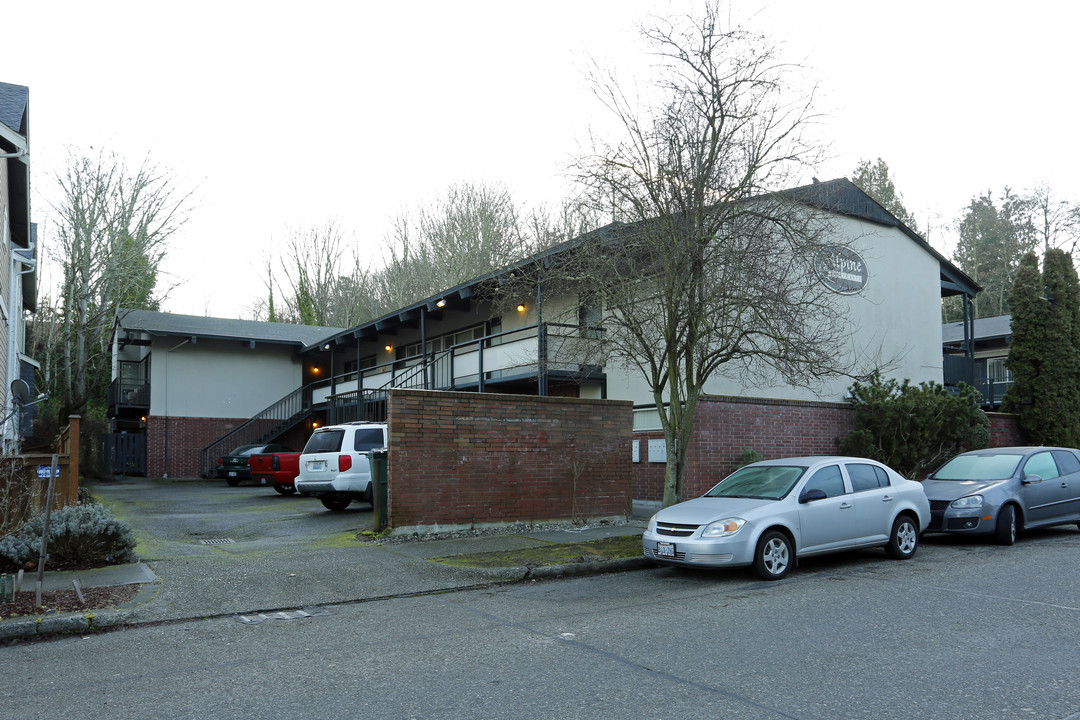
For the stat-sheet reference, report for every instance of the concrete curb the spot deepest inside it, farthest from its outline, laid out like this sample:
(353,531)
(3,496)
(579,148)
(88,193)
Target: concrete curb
(71,623)
(62,624)
(522,572)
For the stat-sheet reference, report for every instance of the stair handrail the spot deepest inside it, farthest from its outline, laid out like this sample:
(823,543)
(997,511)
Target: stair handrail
(296,405)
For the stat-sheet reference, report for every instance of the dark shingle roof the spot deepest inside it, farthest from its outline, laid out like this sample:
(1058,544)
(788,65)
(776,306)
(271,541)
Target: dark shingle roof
(159,323)
(13,100)
(999,326)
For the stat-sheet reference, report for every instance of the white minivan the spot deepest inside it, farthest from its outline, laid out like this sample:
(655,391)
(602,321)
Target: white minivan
(335,464)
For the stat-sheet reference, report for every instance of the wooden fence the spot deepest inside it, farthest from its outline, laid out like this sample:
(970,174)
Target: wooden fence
(24,480)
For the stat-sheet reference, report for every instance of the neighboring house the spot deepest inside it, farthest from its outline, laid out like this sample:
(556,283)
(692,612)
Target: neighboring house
(458,340)
(18,260)
(980,360)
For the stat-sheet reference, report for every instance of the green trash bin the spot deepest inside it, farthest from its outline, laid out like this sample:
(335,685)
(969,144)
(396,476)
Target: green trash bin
(377,458)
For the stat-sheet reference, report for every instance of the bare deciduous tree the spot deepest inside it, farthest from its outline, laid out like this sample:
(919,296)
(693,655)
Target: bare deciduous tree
(476,228)
(111,227)
(709,270)
(318,285)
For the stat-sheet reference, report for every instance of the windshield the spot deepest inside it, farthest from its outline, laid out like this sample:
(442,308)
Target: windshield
(246,449)
(979,467)
(768,482)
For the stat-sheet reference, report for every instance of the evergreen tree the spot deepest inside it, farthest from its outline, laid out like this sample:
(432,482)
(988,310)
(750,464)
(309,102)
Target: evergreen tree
(873,179)
(1059,386)
(1045,353)
(992,240)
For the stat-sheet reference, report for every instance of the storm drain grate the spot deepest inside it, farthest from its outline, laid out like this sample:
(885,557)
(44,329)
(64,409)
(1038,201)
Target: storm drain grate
(217,541)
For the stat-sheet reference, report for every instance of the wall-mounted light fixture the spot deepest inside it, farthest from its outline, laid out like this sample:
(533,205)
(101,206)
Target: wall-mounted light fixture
(440,303)
(388,347)
(326,346)
(314,424)
(521,307)
(315,369)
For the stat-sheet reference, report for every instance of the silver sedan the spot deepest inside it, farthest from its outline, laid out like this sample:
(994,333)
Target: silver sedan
(1000,491)
(769,514)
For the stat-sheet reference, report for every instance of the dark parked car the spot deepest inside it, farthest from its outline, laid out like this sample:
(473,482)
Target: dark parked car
(1000,491)
(234,466)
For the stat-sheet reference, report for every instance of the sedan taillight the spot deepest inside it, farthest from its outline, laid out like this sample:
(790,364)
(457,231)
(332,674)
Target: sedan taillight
(275,463)
(344,462)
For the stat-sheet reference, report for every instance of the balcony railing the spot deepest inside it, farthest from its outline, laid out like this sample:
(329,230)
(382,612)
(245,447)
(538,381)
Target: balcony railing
(958,368)
(128,394)
(523,352)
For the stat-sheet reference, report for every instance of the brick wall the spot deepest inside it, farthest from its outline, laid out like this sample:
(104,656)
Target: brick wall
(1005,430)
(182,444)
(726,426)
(459,459)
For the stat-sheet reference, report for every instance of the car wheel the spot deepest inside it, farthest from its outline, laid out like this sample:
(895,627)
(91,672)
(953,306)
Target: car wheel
(337,504)
(773,556)
(285,489)
(1005,530)
(233,482)
(904,539)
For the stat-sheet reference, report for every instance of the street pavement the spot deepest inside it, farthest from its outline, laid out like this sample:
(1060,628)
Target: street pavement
(211,551)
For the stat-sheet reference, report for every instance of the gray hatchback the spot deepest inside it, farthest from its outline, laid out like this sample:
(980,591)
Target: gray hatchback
(1000,491)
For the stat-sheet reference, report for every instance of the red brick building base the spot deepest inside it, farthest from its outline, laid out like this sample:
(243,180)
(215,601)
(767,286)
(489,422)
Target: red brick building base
(462,459)
(727,426)
(174,445)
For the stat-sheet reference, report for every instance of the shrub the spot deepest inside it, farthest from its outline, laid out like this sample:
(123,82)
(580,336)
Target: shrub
(913,429)
(85,535)
(749,455)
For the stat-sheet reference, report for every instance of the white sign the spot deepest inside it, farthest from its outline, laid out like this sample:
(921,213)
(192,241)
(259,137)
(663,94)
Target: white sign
(841,269)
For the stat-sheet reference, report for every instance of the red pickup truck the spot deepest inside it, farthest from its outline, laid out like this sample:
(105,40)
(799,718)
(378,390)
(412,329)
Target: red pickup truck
(278,469)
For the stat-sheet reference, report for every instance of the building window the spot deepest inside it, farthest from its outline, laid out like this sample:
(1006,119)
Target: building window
(590,317)
(996,372)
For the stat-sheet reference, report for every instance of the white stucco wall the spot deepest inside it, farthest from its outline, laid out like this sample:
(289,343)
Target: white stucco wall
(895,319)
(222,379)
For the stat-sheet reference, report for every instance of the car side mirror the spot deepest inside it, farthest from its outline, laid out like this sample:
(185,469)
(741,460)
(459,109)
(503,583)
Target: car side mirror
(812,494)
(1032,479)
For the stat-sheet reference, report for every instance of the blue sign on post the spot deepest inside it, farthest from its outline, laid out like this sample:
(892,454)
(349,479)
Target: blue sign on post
(44,471)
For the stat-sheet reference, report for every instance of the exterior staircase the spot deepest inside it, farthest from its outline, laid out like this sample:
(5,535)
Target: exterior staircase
(262,427)
(368,405)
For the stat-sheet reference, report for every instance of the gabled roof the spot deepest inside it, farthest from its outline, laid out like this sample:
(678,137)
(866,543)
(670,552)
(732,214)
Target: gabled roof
(840,196)
(843,197)
(193,326)
(15,138)
(14,103)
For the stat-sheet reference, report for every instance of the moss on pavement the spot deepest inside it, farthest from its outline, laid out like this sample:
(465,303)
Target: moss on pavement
(613,548)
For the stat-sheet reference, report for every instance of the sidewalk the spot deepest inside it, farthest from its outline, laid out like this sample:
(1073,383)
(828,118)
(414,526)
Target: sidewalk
(403,568)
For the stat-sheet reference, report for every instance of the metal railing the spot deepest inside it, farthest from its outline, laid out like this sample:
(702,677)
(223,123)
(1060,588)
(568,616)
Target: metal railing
(261,427)
(471,364)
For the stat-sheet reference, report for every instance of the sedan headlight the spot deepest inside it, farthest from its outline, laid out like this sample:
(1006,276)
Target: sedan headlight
(723,528)
(652,523)
(968,503)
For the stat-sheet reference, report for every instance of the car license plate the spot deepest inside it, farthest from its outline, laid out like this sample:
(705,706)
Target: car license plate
(232,473)
(665,549)
(317,465)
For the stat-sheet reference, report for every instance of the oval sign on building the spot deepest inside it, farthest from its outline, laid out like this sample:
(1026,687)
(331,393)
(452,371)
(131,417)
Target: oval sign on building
(841,269)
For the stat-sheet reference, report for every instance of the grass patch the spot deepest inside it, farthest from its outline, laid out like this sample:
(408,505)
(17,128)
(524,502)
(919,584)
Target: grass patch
(613,548)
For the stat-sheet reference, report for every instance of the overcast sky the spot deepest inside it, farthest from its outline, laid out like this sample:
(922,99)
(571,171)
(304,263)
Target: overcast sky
(287,115)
